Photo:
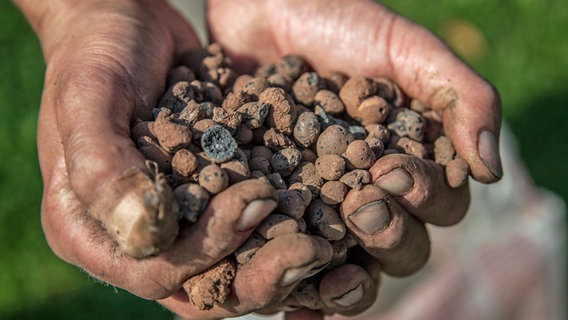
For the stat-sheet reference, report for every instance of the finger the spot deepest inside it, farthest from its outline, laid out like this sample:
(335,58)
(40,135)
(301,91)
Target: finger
(266,279)
(348,290)
(420,186)
(386,230)
(386,45)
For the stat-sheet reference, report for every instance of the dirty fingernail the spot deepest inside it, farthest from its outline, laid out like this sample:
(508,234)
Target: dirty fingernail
(396,182)
(351,297)
(294,274)
(254,213)
(372,217)
(488,149)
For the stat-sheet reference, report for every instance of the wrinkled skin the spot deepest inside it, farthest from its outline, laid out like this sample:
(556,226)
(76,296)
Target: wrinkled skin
(106,65)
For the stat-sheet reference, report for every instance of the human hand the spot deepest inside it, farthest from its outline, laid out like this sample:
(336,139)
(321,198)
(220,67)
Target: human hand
(363,38)
(107,63)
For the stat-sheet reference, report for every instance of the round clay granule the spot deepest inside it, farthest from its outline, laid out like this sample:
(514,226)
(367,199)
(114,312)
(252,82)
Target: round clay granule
(276,181)
(378,131)
(192,199)
(237,168)
(333,192)
(184,164)
(306,87)
(408,124)
(261,151)
(323,220)
(180,73)
(276,225)
(218,144)
(358,132)
(213,179)
(335,81)
(291,66)
(303,190)
(355,179)
(279,81)
(240,82)
(457,172)
(307,129)
(443,150)
(373,110)
(306,173)
(291,203)
(285,161)
(390,91)
(330,166)
(151,150)
(377,146)
(359,155)
(212,93)
(329,101)
(259,176)
(309,155)
(260,164)
(243,135)
(334,139)
(354,91)
(412,147)
(255,86)
(265,70)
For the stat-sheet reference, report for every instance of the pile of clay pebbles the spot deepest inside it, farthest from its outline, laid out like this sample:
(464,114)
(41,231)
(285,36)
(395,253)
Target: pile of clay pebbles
(311,137)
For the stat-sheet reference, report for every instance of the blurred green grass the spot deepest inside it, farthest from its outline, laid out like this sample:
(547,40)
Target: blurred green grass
(524,53)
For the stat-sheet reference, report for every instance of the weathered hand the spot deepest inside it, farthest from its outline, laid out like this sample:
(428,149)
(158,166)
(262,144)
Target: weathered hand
(107,63)
(363,37)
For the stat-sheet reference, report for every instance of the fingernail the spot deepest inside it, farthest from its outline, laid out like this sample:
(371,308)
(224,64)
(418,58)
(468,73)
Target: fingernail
(488,149)
(254,213)
(396,182)
(372,217)
(351,297)
(295,274)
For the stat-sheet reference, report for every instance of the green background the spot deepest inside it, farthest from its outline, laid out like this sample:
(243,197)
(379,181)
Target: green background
(519,45)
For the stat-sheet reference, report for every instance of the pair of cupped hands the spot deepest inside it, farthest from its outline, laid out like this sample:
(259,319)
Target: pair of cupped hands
(107,63)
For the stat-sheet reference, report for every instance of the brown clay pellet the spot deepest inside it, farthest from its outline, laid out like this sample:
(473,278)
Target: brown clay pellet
(276,225)
(213,179)
(330,166)
(333,192)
